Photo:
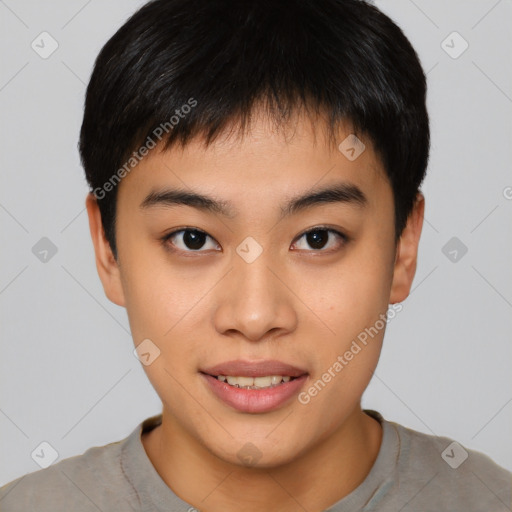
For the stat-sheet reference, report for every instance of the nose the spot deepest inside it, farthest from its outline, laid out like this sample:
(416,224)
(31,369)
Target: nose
(254,301)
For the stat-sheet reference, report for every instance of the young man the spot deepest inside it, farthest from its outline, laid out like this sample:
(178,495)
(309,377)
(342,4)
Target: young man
(255,170)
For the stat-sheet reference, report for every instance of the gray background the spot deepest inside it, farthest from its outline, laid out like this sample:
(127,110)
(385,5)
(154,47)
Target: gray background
(68,374)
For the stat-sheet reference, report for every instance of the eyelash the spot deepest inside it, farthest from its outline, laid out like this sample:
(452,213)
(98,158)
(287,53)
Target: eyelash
(169,246)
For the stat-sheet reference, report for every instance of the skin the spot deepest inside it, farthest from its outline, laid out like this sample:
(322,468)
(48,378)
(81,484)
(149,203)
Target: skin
(294,303)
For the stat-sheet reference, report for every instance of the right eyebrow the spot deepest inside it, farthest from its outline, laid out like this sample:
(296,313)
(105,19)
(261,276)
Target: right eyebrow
(170,197)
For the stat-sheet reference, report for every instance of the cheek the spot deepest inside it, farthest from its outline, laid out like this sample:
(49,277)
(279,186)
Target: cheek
(159,295)
(167,306)
(352,295)
(353,303)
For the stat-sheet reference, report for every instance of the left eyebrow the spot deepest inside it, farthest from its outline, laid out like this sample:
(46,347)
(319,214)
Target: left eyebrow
(340,193)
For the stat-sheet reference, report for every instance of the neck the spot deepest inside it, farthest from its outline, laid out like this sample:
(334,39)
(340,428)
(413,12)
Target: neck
(315,480)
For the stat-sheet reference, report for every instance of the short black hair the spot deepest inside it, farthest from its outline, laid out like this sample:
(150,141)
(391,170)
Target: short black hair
(344,58)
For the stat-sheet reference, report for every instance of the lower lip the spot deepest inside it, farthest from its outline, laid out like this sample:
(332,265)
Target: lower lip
(255,400)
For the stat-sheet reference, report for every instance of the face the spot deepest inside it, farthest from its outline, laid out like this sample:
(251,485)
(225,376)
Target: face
(257,285)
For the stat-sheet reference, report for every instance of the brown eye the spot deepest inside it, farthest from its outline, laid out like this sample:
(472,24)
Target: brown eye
(317,239)
(320,238)
(190,240)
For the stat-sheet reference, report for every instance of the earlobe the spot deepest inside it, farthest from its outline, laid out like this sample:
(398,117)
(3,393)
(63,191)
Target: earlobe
(106,264)
(407,253)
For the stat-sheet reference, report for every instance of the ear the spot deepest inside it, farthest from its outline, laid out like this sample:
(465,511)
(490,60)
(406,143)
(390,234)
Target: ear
(407,252)
(108,268)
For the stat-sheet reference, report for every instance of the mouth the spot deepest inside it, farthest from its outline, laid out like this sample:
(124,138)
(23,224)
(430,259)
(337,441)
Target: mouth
(254,387)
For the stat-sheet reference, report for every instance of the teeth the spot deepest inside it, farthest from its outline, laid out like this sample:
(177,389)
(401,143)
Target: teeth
(276,379)
(254,383)
(264,382)
(244,381)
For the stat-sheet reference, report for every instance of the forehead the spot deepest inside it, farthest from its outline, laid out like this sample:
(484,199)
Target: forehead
(258,166)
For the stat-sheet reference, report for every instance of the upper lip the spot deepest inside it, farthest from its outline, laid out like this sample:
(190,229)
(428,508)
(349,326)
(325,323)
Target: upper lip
(241,368)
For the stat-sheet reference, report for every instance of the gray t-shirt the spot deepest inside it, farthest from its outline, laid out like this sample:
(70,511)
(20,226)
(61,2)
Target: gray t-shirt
(413,472)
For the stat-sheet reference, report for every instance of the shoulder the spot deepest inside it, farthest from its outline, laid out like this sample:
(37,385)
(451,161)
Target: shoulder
(439,470)
(79,483)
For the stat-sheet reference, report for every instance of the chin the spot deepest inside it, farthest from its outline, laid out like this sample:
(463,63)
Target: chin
(257,452)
